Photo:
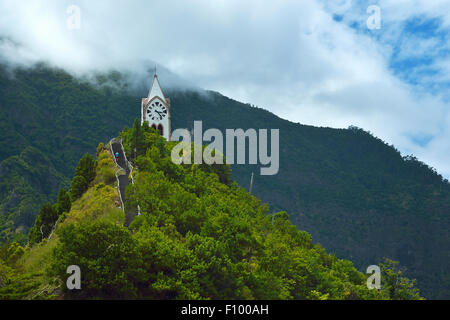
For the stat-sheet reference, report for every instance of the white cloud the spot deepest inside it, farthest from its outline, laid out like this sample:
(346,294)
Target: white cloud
(290,57)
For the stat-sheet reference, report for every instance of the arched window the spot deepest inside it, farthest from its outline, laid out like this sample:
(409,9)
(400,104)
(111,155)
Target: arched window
(154,126)
(161,130)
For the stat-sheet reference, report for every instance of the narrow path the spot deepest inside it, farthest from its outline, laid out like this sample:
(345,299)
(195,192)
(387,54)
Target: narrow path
(123,179)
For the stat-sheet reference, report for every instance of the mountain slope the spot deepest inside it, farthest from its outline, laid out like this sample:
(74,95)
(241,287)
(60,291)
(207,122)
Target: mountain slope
(27,180)
(60,118)
(355,194)
(196,238)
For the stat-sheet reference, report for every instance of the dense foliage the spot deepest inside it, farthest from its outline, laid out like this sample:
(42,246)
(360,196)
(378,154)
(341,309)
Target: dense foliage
(355,194)
(196,238)
(199,238)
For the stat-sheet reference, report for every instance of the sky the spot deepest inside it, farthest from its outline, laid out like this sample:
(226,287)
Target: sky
(382,65)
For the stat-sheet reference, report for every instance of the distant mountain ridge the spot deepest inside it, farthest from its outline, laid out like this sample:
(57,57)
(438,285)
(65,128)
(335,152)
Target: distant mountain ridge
(355,194)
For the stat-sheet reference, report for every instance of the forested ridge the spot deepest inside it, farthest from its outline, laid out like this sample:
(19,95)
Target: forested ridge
(355,194)
(199,236)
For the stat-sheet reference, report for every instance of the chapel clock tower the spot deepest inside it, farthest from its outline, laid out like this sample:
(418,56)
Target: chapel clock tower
(155,109)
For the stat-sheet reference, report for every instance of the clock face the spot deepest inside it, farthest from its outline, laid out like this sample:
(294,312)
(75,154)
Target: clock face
(156,111)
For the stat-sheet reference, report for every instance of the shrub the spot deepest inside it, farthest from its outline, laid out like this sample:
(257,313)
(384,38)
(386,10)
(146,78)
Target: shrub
(108,175)
(100,148)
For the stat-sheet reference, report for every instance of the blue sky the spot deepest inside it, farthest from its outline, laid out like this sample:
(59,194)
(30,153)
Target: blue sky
(313,61)
(417,46)
(421,69)
(425,32)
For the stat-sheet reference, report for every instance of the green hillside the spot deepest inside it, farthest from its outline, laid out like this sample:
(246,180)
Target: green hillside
(355,194)
(196,238)
(27,180)
(53,119)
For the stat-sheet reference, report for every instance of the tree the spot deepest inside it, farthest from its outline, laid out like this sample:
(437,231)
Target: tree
(47,217)
(397,286)
(10,253)
(44,224)
(86,168)
(78,187)
(138,141)
(63,203)
(106,255)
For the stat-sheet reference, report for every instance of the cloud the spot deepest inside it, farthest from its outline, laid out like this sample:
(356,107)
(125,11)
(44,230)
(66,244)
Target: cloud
(294,58)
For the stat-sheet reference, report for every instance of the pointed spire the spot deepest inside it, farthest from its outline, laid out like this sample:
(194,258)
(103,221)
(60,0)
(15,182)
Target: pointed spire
(155,90)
